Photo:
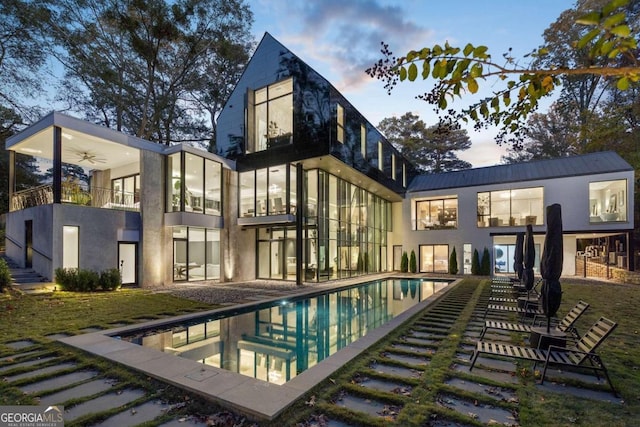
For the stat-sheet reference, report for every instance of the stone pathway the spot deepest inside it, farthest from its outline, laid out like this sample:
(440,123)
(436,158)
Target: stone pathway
(423,371)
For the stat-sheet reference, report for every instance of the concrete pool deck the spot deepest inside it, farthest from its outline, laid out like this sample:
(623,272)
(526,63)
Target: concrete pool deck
(247,395)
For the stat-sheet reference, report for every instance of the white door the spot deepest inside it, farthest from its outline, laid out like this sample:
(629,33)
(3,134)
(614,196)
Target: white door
(127,262)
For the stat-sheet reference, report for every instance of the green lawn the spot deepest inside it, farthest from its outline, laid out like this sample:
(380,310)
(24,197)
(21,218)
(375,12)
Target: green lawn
(34,317)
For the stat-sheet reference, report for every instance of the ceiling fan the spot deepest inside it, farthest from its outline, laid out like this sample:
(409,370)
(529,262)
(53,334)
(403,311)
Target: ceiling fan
(88,156)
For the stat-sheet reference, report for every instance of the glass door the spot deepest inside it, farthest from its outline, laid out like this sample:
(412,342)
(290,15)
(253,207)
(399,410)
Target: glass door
(127,262)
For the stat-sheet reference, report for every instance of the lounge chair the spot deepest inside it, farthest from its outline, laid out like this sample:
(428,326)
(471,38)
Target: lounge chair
(565,325)
(523,312)
(576,355)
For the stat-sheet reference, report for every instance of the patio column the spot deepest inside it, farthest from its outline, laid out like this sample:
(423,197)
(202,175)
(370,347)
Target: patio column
(57,164)
(12,177)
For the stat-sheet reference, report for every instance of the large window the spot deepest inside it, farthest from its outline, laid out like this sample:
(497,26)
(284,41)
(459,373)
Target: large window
(126,191)
(608,201)
(196,253)
(434,258)
(340,123)
(70,246)
(514,207)
(268,191)
(195,188)
(271,116)
(345,231)
(437,214)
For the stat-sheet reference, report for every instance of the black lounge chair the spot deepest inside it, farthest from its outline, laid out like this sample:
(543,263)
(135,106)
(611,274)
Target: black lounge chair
(565,325)
(580,354)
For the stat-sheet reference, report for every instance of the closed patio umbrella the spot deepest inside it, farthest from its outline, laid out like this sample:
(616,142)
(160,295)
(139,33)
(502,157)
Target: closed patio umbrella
(518,257)
(529,259)
(551,263)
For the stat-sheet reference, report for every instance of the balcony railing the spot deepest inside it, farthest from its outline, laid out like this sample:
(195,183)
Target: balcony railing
(96,197)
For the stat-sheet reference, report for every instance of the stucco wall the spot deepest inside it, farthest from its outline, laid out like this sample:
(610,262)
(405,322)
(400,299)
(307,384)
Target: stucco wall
(155,248)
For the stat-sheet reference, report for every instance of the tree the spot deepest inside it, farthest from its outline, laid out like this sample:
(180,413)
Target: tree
(607,40)
(548,136)
(431,149)
(453,262)
(413,265)
(155,69)
(485,264)
(475,263)
(21,56)
(404,262)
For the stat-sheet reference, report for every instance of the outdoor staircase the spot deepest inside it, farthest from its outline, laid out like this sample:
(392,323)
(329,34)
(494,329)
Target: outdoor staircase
(26,279)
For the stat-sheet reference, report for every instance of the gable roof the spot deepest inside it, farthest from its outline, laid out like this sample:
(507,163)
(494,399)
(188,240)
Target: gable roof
(586,164)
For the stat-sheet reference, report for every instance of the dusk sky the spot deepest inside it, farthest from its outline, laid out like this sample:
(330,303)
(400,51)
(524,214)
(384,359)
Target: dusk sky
(341,38)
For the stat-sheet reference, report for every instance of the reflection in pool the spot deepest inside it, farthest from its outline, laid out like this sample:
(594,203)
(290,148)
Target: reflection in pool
(277,342)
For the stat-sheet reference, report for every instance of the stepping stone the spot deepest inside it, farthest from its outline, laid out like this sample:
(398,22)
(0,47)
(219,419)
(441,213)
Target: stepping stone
(58,382)
(83,390)
(19,345)
(585,393)
(490,375)
(383,368)
(90,330)
(55,337)
(409,360)
(41,371)
(407,347)
(187,421)
(422,341)
(27,363)
(136,415)
(502,364)
(498,393)
(102,403)
(486,414)
(386,386)
(368,406)
(14,357)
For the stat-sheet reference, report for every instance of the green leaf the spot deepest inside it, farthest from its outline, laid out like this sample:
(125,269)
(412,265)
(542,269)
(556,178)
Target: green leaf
(436,69)
(437,50)
(442,102)
(506,98)
(413,71)
(480,52)
(411,55)
(472,85)
(613,5)
(495,104)
(587,38)
(468,49)
(402,72)
(623,83)
(614,20)
(621,31)
(592,18)
(426,67)
(476,70)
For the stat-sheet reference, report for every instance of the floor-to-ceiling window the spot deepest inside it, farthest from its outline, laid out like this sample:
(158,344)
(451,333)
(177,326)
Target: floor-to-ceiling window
(345,228)
(434,258)
(277,253)
(196,253)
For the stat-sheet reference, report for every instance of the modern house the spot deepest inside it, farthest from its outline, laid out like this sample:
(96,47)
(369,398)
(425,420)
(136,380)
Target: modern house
(302,188)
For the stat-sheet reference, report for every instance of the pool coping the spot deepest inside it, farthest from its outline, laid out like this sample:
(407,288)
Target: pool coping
(254,398)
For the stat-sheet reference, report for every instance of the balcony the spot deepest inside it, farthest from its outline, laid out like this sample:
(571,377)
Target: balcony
(96,197)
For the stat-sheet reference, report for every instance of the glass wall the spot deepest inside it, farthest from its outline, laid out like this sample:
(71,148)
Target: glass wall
(345,229)
(196,253)
(196,188)
(277,253)
(608,201)
(434,258)
(272,116)
(126,191)
(268,191)
(436,214)
(513,207)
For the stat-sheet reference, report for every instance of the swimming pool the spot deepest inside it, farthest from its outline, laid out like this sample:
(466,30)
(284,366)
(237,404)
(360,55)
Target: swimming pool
(259,346)
(274,343)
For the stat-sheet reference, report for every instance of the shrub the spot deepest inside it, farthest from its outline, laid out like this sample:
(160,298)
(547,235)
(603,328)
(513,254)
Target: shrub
(413,265)
(475,263)
(110,280)
(485,266)
(453,262)
(404,263)
(5,275)
(79,280)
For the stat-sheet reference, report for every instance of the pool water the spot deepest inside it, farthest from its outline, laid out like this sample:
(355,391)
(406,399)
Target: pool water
(275,343)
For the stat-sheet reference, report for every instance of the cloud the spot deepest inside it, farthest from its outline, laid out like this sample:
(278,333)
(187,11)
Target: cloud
(346,35)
